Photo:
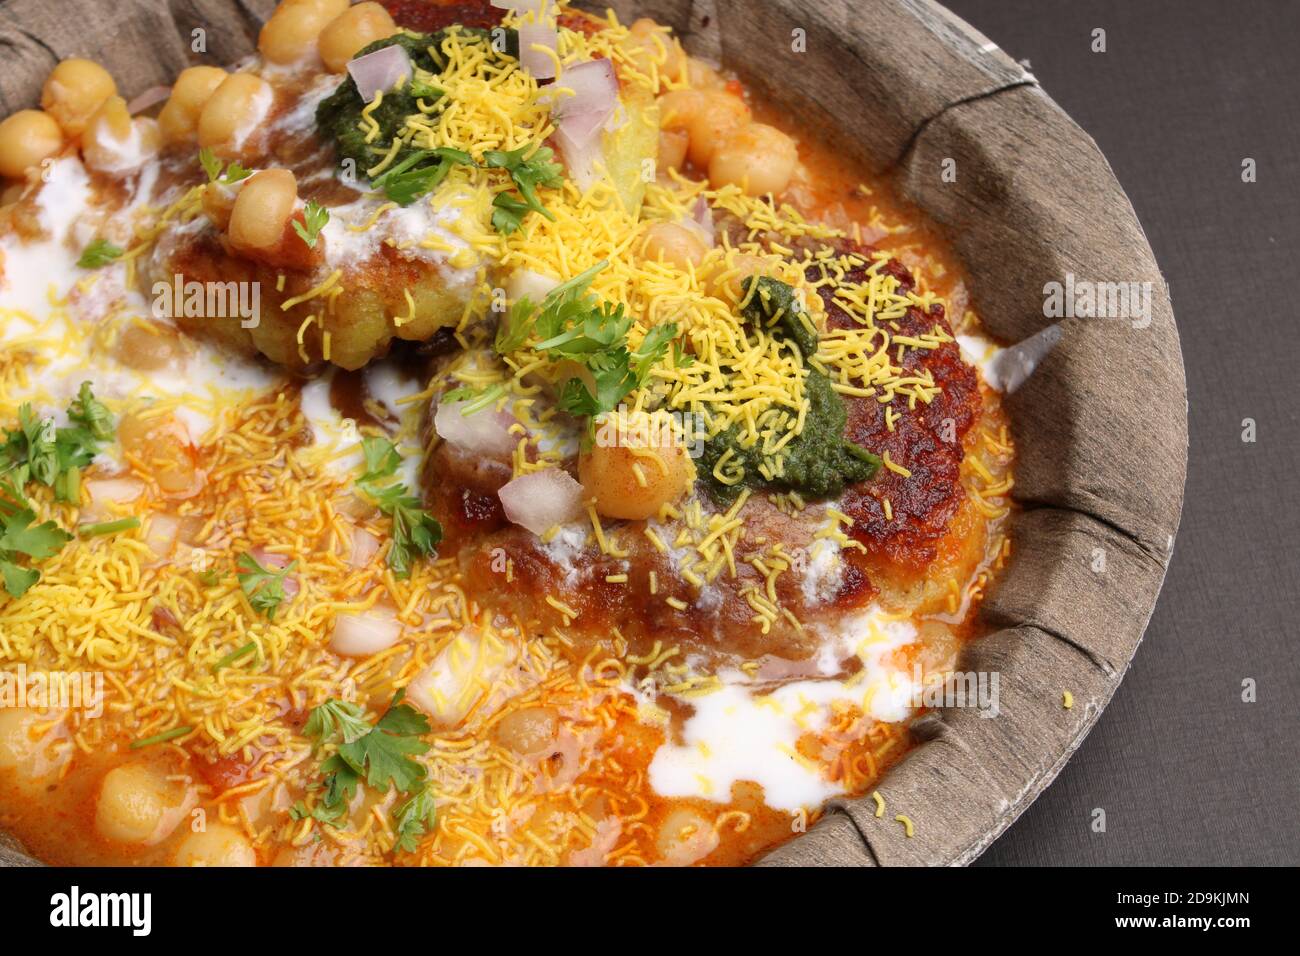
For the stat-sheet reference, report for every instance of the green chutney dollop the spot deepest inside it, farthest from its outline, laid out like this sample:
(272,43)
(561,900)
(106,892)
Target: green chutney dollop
(819,461)
(338,116)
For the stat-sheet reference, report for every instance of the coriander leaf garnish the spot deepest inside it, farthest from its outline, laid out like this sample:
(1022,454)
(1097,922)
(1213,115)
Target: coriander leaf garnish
(382,459)
(235,172)
(573,325)
(263,586)
(99,253)
(315,216)
(416,533)
(33,447)
(77,445)
(420,173)
(540,170)
(508,213)
(37,451)
(17,578)
(20,538)
(413,819)
(381,755)
(36,541)
(211,164)
(334,718)
(91,414)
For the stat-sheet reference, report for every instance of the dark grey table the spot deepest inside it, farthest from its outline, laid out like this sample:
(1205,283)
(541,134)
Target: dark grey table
(1185,92)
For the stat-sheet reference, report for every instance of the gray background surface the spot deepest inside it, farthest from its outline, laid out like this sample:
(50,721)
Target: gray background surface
(1186,772)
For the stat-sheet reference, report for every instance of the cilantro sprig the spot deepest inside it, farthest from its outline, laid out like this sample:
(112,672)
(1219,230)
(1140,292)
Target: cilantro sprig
(381,756)
(315,216)
(416,533)
(99,253)
(212,165)
(37,451)
(263,586)
(508,213)
(420,173)
(540,169)
(21,537)
(414,818)
(573,325)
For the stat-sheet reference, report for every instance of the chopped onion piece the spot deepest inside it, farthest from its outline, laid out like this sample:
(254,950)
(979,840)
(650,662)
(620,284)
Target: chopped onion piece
(380,71)
(595,98)
(364,547)
(486,431)
(527,283)
(520,7)
(538,62)
(160,536)
(703,214)
(458,677)
(105,491)
(365,632)
(701,222)
(583,161)
(542,499)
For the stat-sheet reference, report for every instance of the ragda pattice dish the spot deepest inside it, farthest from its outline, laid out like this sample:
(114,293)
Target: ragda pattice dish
(471,434)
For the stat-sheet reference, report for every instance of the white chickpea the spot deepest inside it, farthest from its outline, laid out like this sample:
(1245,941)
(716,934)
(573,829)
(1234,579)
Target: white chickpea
(354,29)
(727,277)
(219,201)
(675,245)
(635,467)
(149,345)
(685,837)
(114,142)
(138,804)
(707,116)
(672,148)
(649,43)
(29,746)
(262,211)
(179,118)
(74,90)
(26,138)
(528,730)
(295,27)
(161,445)
(17,745)
(217,845)
(161,533)
(758,158)
(232,111)
(938,648)
(701,76)
(525,283)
